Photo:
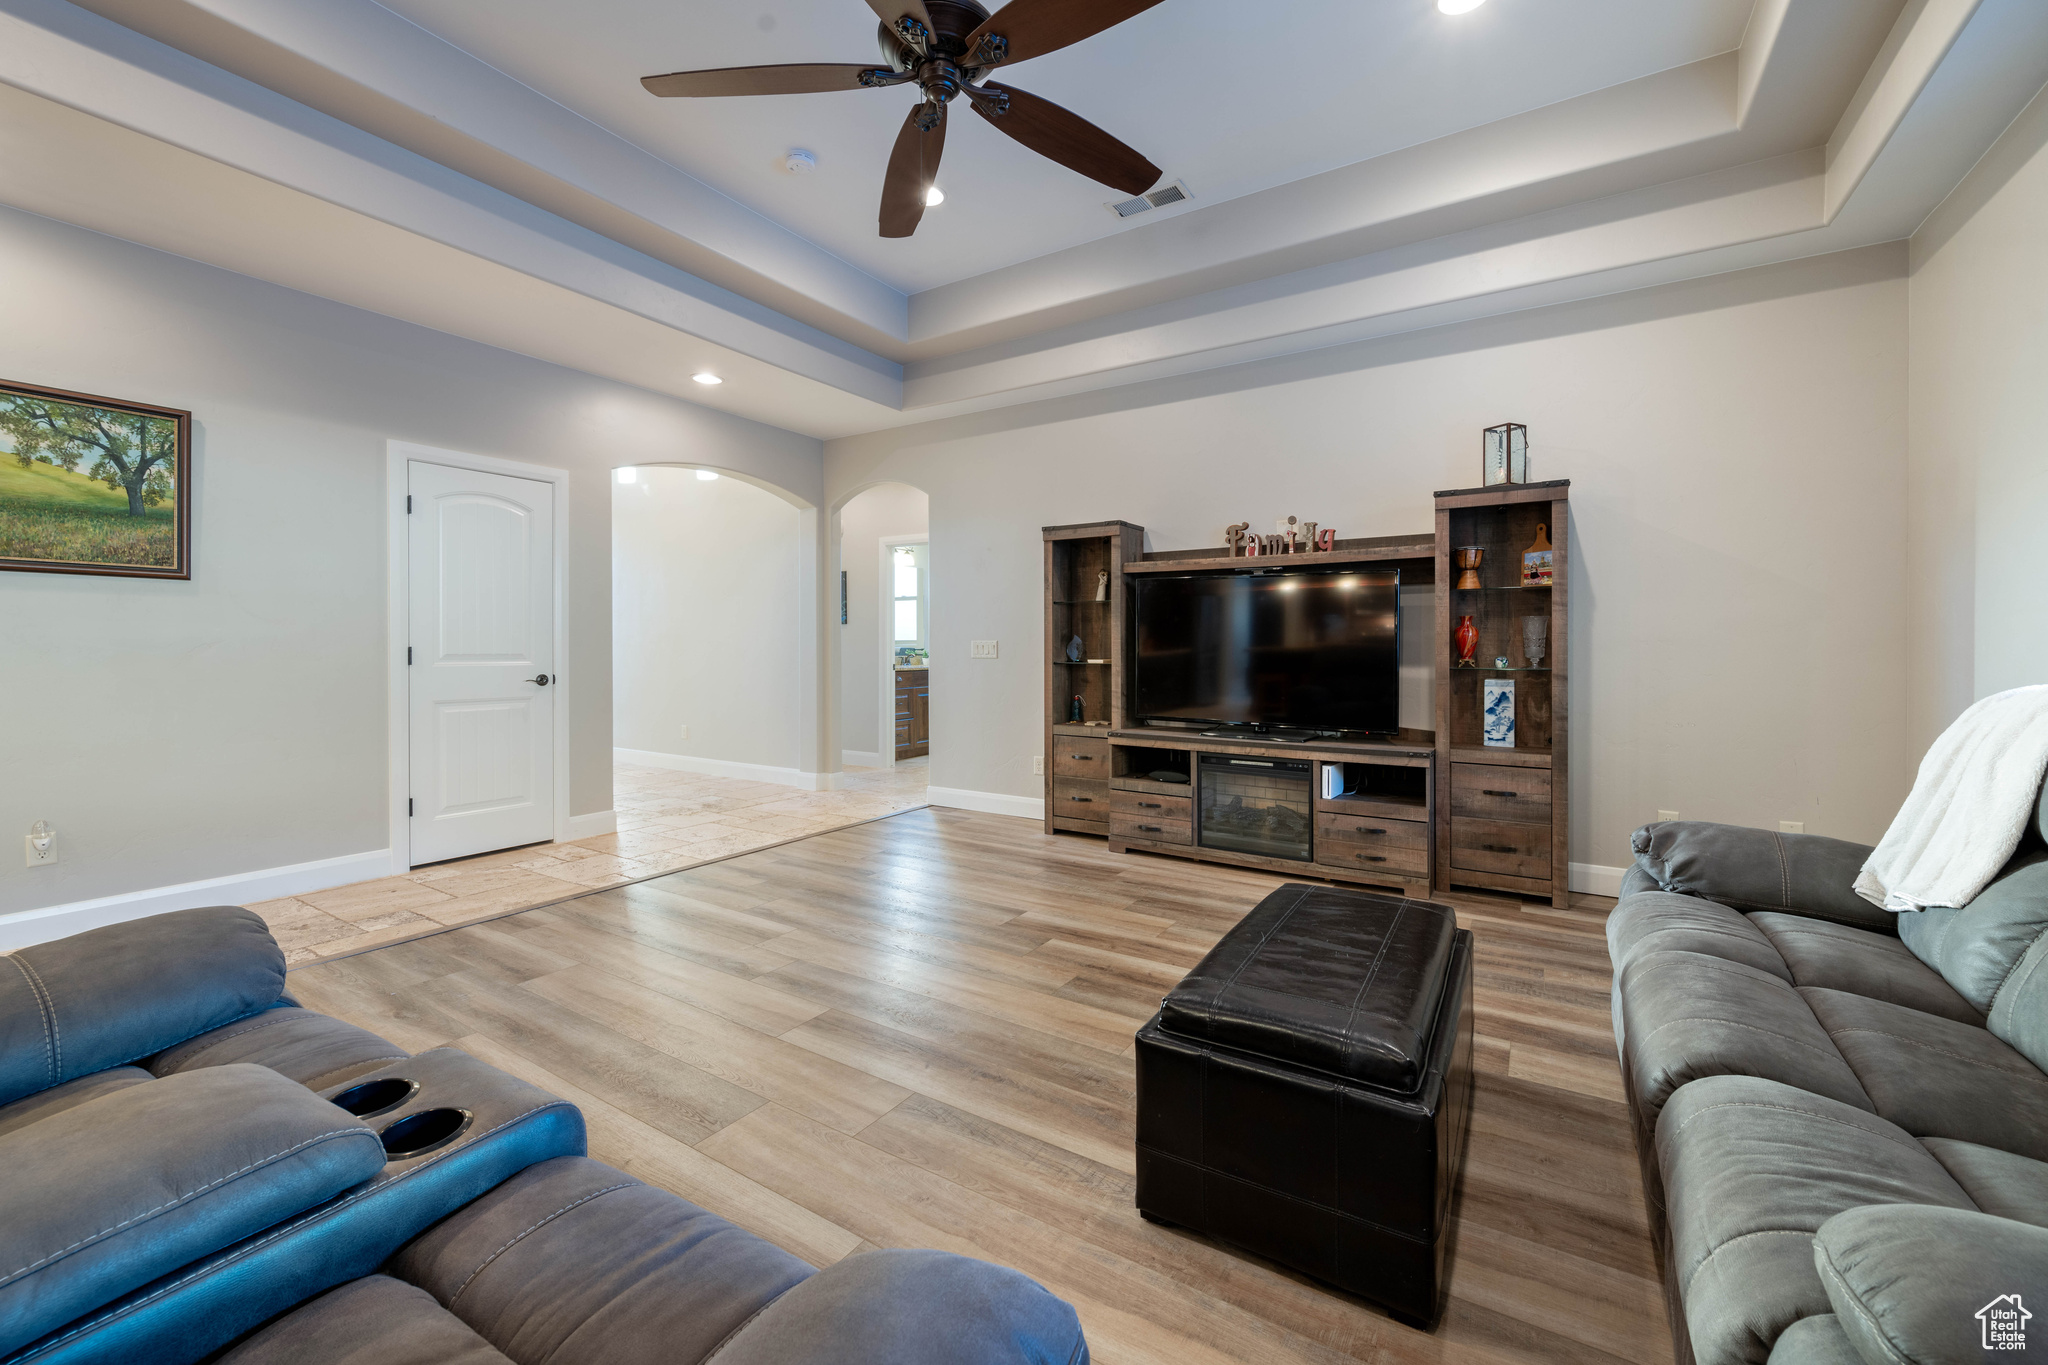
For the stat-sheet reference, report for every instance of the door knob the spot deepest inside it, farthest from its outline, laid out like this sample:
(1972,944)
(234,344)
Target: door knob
(539,680)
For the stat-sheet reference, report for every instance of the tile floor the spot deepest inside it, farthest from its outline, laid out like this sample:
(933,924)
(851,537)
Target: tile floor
(668,821)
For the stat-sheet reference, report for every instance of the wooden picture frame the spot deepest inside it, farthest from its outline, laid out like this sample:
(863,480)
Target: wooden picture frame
(84,481)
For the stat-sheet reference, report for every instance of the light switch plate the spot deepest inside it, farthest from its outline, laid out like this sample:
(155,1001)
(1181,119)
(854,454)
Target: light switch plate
(686,732)
(982,649)
(1038,765)
(35,859)
(1667,815)
(1791,827)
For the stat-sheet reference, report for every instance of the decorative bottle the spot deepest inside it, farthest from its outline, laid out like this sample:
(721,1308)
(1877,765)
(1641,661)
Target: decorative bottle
(1466,637)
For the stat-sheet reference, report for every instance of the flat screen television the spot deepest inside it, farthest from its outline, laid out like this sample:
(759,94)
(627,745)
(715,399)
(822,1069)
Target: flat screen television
(1313,650)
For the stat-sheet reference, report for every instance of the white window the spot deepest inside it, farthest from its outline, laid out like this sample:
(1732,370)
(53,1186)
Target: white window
(909,592)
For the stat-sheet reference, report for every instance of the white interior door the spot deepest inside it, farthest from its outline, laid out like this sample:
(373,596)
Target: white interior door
(482,669)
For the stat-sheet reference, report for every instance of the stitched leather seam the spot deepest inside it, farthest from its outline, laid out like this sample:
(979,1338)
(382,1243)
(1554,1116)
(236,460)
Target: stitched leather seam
(2027,1074)
(1706,963)
(1253,955)
(1826,1264)
(1350,1044)
(42,1009)
(56,1029)
(1753,1028)
(1909,1144)
(314,1084)
(188,1195)
(2009,971)
(711,1355)
(1761,1232)
(1784,872)
(323,1215)
(485,1264)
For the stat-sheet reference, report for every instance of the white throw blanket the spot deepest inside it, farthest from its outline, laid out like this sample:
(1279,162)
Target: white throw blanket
(1970,804)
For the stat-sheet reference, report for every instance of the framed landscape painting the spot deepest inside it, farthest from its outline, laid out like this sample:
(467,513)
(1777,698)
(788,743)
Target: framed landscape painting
(93,485)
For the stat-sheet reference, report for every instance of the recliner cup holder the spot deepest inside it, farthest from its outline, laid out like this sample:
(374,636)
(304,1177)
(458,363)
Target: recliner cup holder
(372,1098)
(418,1134)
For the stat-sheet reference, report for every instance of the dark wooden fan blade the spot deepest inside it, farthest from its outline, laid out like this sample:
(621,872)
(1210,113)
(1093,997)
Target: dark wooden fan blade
(1067,138)
(889,11)
(803,79)
(913,166)
(1024,29)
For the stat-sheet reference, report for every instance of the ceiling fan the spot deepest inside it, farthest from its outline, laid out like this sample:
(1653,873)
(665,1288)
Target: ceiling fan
(947,48)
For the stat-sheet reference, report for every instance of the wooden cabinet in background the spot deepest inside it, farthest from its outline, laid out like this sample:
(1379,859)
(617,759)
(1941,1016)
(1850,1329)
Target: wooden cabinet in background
(913,713)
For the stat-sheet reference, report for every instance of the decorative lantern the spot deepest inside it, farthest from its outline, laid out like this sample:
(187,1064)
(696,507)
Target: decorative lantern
(1506,454)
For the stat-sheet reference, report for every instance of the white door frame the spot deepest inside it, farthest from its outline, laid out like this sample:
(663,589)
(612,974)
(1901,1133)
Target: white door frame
(886,608)
(398,612)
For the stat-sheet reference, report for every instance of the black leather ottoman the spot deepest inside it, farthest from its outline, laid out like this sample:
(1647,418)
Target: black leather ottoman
(1305,1092)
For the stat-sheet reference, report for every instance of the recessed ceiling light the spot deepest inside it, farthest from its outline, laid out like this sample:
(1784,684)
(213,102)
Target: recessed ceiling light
(1459,6)
(707,475)
(934,197)
(706,377)
(629,475)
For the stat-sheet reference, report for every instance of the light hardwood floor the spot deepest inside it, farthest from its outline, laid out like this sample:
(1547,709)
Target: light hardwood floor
(667,821)
(918,1032)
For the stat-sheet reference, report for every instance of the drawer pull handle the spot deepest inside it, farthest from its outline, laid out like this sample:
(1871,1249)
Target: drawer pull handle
(1375,831)
(1083,799)
(1484,792)
(1151,829)
(1082,758)
(1371,858)
(1500,848)
(1150,805)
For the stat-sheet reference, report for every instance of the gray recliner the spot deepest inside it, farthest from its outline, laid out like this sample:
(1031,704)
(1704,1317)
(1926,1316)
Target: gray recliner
(1842,1113)
(192,1167)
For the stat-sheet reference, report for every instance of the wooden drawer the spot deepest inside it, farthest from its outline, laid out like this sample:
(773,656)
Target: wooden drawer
(1506,847)
(1079,799)
(1377,834)
(1485,792)
(1402,863)
(1078,757)
(1146,828)
(1150,806)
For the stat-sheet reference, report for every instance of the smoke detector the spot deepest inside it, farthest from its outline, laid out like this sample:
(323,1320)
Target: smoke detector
(799,162)
(1176,193)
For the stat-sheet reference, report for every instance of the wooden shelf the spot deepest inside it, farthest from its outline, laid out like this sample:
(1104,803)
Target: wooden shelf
(1418,551)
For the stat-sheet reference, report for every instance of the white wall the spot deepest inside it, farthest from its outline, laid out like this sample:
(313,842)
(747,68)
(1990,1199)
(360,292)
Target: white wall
(175,732)
(1979,409)
(704,619)
(1737,447)
(891,509)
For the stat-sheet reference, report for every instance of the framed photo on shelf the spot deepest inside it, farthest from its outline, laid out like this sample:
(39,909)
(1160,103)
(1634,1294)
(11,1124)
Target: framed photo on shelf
(92,485)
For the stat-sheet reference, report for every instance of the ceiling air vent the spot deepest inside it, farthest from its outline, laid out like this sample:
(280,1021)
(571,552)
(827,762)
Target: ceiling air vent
(1175,193)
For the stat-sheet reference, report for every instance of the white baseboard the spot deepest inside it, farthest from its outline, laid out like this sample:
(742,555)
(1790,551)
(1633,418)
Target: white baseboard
(720,767)
(1591,879)
(591,825)
(859,758)
(989,803)
(26,927)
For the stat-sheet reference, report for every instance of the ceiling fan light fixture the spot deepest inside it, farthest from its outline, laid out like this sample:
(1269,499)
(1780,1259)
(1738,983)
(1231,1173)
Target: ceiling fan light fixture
(706,475)
(706,377)
(934,197)
(1459,6)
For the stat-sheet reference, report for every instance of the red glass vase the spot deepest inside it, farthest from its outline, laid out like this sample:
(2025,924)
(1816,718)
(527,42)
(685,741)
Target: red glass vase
(1466,637)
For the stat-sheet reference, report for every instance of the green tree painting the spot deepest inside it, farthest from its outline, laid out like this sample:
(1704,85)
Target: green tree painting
(88,485)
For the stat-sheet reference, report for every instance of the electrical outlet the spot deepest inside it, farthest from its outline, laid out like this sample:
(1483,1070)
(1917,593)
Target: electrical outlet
(686,732)
(1667,815)
(982,649)
(1791,827)
(48,854)
(1038,765)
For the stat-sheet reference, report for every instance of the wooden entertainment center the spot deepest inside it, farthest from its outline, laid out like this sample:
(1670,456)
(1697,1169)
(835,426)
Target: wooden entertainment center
(1424,810)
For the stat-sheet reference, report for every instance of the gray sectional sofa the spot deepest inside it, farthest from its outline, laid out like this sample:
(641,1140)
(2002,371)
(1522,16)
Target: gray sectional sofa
(194,1168)
(1841,1113)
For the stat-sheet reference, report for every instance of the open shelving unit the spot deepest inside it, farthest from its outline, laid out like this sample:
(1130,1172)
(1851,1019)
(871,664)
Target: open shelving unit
(1077,756)
(1505,822)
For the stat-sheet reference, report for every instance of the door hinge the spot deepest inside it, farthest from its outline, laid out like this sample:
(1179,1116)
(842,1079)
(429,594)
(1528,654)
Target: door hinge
(408,504)
(408,807)
(408,656)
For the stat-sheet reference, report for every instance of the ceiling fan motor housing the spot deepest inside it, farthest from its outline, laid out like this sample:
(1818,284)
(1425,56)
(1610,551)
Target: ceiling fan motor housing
(952,21)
